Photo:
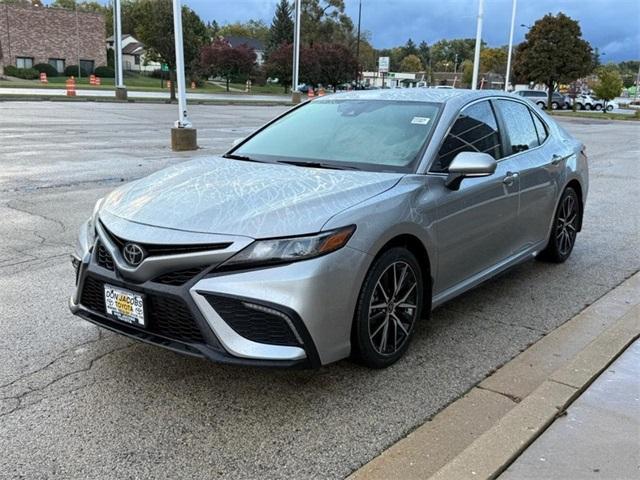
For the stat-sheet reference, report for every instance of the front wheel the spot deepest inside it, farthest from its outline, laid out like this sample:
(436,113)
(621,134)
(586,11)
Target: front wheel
(555,105)
(389,305)
(565,228)
(609,108)
(598,107)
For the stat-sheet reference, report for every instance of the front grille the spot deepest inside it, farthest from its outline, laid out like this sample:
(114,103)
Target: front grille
(157,250)
(177,278)
(165,315)
(104,258)
(259,324)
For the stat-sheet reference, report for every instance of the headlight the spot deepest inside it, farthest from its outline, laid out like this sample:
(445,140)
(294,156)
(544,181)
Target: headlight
(285,250)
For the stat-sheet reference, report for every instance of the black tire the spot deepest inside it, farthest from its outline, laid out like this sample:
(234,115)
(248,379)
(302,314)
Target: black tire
(609,108)
(566,222)
(370,338)
(588,106)
(581,106)
(542,105)
(555,106)
(597,107)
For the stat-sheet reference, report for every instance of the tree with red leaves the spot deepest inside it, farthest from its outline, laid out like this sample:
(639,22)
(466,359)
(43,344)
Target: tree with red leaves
(221,59)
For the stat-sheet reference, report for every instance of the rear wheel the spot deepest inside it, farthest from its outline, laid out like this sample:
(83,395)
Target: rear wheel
(565,228)
(389,305)
(609,108)
(597,107)
(542,105)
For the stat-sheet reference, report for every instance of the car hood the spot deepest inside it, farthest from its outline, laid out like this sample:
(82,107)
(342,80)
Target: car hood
(233,197)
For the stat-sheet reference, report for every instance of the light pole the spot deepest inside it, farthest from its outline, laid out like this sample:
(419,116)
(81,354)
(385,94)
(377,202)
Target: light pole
(358,45)
(121,90)
(183,137)
(476,56)
(510,53)
(295,94)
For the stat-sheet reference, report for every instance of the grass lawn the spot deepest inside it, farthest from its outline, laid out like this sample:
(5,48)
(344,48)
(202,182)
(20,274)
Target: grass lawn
(598,115)
(136,82)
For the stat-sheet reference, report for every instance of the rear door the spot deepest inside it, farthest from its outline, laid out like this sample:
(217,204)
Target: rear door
(538,165)
(475,224)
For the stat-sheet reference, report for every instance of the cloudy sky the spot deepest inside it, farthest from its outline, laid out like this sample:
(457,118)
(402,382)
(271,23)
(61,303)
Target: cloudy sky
(613,26)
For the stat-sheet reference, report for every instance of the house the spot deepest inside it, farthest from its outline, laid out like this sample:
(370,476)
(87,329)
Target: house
(30,35)
(134,55)
(256,45)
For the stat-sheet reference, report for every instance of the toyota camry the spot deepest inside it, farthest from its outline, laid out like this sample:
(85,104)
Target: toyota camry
(334,229)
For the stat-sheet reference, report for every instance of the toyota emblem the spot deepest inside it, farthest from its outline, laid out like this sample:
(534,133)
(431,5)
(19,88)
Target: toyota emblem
(133,254)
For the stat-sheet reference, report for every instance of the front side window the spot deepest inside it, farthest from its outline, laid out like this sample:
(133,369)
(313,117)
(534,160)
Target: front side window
(24,62)
(377,135)
(475,130)
(519,126)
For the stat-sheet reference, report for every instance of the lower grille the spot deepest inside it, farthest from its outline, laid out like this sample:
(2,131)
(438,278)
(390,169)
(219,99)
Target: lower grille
(254,322)
(177,278)
(165,315)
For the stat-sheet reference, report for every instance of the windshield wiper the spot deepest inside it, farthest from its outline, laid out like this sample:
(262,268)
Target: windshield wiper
(241,157)
(330,166)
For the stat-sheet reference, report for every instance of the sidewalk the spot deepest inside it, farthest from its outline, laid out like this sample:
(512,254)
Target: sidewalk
(493,428)
(599,437)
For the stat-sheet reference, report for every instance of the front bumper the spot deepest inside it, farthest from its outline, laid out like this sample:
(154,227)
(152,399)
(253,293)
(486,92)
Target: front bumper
(314,300)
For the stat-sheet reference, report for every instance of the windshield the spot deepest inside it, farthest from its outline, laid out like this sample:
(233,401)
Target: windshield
(374,135)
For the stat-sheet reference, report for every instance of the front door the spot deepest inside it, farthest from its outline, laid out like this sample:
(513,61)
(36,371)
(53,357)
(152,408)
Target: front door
(475,224)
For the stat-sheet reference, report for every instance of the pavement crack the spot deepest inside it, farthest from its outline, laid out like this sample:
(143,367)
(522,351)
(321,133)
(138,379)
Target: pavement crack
(513,398)
(57,222)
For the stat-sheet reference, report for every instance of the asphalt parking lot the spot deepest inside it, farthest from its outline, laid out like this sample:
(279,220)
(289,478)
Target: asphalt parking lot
(78,402)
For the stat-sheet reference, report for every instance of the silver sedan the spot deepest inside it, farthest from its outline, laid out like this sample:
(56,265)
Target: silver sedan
(332,230)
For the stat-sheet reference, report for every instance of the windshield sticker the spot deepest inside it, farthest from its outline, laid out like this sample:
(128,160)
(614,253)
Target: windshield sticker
(420,120)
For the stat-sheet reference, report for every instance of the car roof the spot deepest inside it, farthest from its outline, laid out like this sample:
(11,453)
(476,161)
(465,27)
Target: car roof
(436,95)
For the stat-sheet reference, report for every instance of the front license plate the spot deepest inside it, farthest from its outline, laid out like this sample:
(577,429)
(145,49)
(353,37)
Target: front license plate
(124,305)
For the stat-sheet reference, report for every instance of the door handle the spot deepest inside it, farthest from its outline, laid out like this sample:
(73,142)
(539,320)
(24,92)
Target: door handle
(556,159)
(510,178)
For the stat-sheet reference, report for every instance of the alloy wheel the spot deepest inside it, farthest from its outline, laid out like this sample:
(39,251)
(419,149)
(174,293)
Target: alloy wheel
(393,308)
(567,225)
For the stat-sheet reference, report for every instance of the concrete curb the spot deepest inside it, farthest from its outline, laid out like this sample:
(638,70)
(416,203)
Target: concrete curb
(482,433)
(58,98)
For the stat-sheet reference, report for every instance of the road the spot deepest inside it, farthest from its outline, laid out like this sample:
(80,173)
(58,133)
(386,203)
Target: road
(83,92)
(78,402)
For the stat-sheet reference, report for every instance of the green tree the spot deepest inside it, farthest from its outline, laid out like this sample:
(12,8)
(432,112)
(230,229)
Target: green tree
(325,21)
(424,52)
(26,3)
(153,25)
(493,60)
(281,30)
(337,63)
(213,30)
(553,52)
(409,49)
(609,84)
(411,63)
(255,29)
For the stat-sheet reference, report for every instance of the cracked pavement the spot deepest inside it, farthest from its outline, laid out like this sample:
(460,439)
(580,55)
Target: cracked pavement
(79,402)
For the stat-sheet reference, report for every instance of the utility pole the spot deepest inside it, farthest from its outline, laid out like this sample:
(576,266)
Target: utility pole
(183,136)
(78,44)
(476,56)
(358,45)
(509,54)
(121,90)
(295,94)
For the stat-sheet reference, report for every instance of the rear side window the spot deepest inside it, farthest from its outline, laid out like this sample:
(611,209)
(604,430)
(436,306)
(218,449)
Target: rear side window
(540,128)
(475,130)
(519,125)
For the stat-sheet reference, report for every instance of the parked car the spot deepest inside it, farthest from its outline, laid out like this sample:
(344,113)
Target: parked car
(539,97)
(587,102)
(332,230)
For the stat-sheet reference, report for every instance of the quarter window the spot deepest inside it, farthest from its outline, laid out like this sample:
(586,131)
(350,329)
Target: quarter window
(475,130)
(519,125)
(540,128)
(24,62)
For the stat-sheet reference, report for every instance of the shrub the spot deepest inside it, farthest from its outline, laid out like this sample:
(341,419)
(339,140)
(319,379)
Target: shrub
(25,73)
(105,72)
(50,70)
(72,71)
(157,73)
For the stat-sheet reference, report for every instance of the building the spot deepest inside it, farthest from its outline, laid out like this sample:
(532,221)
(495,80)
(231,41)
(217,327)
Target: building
(32,35)
(256,45)
(133,55)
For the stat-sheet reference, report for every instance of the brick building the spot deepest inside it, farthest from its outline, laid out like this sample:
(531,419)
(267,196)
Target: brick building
(31,35)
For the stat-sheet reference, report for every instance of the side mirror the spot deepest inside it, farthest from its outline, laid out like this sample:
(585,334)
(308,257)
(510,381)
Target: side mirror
(469,165)
(237,141)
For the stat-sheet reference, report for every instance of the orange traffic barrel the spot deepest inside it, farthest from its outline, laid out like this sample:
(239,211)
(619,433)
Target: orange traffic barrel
(43,78)
(71,87)
(310,92)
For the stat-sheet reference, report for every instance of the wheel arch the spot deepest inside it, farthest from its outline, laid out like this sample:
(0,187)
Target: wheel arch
(575,184)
